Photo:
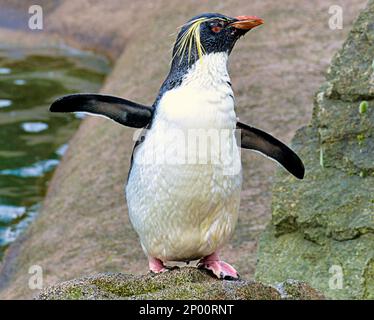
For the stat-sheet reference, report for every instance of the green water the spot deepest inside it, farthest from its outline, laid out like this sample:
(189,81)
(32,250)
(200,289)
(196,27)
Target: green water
(32,139)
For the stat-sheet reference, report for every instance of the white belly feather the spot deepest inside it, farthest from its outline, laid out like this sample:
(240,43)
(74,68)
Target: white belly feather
(181,210)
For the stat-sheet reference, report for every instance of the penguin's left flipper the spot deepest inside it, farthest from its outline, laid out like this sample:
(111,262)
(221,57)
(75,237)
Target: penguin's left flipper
(123,111)
(255,139)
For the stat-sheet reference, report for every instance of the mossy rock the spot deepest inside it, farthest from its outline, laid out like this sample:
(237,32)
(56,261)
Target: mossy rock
(184,283)
(326,221)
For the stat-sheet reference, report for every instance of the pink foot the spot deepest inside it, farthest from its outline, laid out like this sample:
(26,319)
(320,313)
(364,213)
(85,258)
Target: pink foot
(156,265)
(220,269)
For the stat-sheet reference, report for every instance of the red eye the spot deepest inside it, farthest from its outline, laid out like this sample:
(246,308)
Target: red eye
(216,29)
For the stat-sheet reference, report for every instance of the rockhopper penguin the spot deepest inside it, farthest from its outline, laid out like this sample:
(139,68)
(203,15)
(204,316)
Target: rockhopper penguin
(184,211)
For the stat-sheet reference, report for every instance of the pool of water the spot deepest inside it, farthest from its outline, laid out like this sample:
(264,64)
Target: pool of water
(32,140)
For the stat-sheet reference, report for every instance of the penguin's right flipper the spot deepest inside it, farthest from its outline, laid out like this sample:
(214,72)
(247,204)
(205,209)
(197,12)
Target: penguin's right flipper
(123,111)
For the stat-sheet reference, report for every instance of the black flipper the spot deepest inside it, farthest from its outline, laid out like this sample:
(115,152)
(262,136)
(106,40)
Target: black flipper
(255,139)
(123,111)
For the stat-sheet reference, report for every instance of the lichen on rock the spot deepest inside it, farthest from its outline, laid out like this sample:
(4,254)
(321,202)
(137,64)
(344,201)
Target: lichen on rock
(184,283)
(327,220)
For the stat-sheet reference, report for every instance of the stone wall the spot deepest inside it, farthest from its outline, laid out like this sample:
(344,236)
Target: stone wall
(326,222)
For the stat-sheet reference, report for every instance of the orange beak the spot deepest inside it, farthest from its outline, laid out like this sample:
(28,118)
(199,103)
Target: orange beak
(247,22)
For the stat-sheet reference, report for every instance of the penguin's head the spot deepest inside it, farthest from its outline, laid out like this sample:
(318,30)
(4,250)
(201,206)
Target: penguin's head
(210,33)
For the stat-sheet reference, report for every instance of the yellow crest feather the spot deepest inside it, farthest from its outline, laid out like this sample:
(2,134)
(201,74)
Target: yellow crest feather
(192,34)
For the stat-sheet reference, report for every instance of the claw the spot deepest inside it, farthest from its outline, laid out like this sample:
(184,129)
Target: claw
(171,268)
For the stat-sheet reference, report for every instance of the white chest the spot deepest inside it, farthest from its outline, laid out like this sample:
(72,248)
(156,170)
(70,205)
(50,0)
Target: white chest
(204,99)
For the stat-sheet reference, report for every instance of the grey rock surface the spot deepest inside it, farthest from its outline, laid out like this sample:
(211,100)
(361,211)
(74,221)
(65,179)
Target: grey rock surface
(324,225)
